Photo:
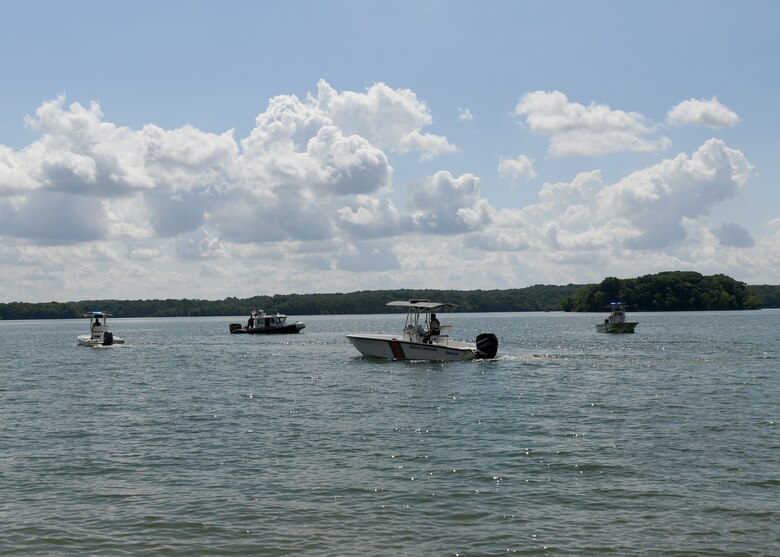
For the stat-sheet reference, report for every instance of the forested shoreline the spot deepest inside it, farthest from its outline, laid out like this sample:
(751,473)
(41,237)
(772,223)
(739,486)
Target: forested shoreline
(667,291)
(533,298)
(673,291)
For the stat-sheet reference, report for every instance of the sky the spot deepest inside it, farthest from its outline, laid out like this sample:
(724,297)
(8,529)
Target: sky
(208,149)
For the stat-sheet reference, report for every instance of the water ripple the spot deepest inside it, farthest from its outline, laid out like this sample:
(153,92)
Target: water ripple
(187,441)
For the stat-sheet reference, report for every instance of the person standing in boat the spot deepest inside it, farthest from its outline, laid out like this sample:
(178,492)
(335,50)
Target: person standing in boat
(96,323)
(435,328)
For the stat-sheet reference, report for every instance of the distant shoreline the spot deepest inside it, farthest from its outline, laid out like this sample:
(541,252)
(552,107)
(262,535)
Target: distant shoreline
(718,293)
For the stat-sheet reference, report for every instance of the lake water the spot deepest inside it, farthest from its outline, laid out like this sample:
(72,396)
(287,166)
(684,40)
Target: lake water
(190,441)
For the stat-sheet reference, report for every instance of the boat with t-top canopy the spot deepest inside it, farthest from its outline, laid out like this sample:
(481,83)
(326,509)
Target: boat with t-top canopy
(99,335)
(423,338)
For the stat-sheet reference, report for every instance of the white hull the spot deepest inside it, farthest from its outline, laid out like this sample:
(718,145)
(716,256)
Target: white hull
(616,327)
(390,348)
(87,340)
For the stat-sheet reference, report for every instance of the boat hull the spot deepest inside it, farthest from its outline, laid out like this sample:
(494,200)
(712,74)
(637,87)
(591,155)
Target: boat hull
(616,327)
(388,347)
(237,329)
(87,340)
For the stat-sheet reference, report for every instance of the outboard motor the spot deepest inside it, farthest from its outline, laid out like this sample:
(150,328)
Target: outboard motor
(235,327)
(108,338)
(487,345)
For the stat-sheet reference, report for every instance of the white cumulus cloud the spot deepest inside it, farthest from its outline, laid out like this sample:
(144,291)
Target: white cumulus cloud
(595,129)
(653,201)
(388,118)
(297,165)
(701,112)
(371,217)
(465,115)
(646,210)
(519,169)
(444,204)
(309,194)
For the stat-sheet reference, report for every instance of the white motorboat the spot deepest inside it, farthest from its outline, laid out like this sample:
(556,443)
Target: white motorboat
(616,322)
(99,335)
(262,323)
(418,342)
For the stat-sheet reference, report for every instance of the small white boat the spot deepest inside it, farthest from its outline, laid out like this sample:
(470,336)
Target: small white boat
(99,335)
(616,322)
(418,342)
(262,323)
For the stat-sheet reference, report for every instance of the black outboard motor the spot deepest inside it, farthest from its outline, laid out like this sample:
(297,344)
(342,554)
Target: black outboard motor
(235,328)
(487,346)
(108,338)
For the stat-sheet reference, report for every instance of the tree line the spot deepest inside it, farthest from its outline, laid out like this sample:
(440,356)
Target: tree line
(667,291)
(532,298)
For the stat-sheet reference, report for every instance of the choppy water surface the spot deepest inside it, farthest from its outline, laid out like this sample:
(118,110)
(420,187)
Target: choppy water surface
(190,441)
